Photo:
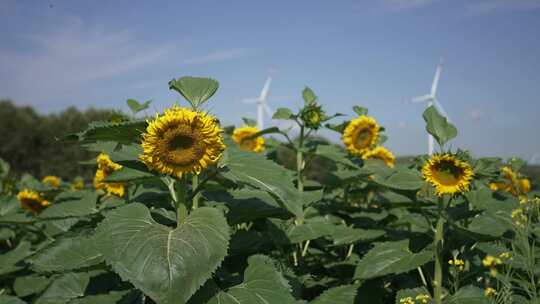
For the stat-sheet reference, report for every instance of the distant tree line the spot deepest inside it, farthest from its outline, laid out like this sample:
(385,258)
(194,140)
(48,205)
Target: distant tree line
(32,142)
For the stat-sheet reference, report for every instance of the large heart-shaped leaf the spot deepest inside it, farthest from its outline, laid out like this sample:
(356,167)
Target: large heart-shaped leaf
(338,295)
(168,265)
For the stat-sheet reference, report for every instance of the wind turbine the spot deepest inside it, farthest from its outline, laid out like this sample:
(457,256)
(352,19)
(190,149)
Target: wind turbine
(262,105)
(431,99)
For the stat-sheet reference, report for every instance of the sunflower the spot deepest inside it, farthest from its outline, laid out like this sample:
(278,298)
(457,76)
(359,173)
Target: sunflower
(105,167)
(360,134)
(32,201)
(381,153)
(254,144)
(512,184)
(447,174)
(53,181)
(182,141)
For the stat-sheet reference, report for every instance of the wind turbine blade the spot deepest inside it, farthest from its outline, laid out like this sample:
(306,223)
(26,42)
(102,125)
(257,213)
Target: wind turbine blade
(264,92)
(436,79)
(268,110)
(440,109)
(421,99)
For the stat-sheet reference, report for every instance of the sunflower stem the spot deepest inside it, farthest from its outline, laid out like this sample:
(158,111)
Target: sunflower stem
(182,201)
(194,186)
(300,160)
(438,244)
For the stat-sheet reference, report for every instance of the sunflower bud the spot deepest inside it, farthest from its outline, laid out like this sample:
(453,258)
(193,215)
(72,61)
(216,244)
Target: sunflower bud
(312,115)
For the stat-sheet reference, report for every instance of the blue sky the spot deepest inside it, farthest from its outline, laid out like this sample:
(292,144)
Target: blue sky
(378,53)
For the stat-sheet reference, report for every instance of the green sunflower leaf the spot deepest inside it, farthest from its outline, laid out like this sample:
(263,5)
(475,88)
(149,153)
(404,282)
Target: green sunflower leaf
(360,110)
(136,106)
(390,258)
(168,265)
(438,126)
(262,284)
(283,113)
(195,90)
(65,288)
(67,254)
(309,96)
(125,132)
(337,295)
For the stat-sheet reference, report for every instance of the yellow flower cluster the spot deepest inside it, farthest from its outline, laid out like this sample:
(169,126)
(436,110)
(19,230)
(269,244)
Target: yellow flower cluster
(105,168)
(422,298)
(240,136)
(419,299)
(492,263)
(360,138)
(489,292)
(32,201)
(51,180)
(512,184)
(528,208)
(407,300)
(458,264)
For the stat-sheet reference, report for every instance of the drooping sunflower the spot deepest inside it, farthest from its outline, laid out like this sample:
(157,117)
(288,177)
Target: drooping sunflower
(448,174)
(512,183)
(182,141)
(360,134)
(381,153)
(32,201)
(53,181)
(105,167)
(254,144)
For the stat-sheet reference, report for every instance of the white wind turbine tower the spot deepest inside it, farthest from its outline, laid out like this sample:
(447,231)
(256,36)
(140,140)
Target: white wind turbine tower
(431,99)
(262,105)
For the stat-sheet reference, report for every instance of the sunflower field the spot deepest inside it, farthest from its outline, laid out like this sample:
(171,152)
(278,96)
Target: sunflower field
(185,210)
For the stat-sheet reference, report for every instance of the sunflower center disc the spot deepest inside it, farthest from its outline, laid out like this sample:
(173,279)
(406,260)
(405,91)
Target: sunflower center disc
(362,138)
(182,146)
(447,174)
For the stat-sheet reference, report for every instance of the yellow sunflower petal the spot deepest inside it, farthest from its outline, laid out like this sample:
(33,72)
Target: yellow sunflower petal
(181,141)
(32,201)
(447,174)
(53,181)
(105,167)
(381,153)
(360,134)
(255,144)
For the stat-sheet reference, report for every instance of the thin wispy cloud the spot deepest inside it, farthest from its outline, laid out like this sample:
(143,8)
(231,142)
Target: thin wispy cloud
(217,56)
(407,4)
(68,58)
(479,7)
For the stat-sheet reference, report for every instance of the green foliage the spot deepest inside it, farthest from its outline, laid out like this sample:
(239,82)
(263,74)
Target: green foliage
(195,90)
(136,106)
(438,126)
(301,222)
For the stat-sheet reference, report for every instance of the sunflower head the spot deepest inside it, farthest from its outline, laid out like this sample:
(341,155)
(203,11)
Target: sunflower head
(240,136)
(32,201)
(181,141)
(381,153)
(313,116)
(511,183)
(105,167)
(448,174)
(51,180)
(360,134)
